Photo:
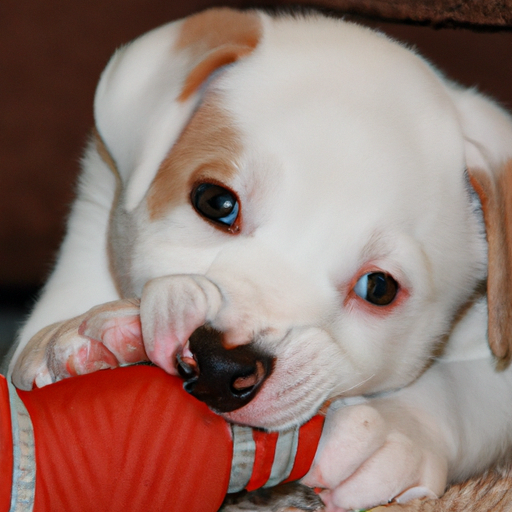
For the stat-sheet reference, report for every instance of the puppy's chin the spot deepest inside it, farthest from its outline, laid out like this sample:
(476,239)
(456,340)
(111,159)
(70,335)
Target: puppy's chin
(274,414)
(306,371)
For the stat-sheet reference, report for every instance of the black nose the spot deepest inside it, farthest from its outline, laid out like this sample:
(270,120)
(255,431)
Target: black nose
(225,379)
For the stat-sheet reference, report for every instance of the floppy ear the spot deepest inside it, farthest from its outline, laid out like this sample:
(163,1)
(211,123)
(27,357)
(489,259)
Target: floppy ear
(151,87)
(488,137)
(496,198)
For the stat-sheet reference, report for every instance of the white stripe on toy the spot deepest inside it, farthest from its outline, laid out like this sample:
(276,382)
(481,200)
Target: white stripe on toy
(24,458)
(286,450)
(244,449)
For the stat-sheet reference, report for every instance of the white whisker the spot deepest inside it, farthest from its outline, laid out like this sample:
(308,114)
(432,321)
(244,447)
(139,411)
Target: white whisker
(358,384)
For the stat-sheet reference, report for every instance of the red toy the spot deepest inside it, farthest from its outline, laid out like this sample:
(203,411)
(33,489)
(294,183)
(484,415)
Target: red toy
(132,439)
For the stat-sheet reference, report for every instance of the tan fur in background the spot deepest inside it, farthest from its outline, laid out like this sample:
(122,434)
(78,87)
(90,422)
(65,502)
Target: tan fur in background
(490,492)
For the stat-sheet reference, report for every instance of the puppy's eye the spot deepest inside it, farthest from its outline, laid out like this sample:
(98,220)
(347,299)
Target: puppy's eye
(377,288)
(216,203)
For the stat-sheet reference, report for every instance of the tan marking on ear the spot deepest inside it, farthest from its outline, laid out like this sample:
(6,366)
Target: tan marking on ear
(215,38)
(496,198)
(104,152)
(208,149)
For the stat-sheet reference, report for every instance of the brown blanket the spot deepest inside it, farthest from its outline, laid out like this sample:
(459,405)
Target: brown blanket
(491,492)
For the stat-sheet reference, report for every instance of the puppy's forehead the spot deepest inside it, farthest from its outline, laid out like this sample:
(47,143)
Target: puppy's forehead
(346,113)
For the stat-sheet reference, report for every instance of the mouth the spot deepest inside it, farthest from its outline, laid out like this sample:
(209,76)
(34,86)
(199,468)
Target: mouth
(304,376)
(248,386)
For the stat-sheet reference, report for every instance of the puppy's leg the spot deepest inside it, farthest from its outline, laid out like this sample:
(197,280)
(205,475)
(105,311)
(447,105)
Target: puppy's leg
(372,452)
(283,498)
(448,425)
(82,276)
(110,334)
(106,336)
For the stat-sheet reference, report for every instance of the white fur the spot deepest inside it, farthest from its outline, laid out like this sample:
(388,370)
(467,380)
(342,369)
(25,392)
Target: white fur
(354,152)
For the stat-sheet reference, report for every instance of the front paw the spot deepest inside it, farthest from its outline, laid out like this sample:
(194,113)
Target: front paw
(374,452)
(107,336)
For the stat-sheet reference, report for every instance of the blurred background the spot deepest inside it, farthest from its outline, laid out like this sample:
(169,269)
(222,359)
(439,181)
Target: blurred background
(53,52)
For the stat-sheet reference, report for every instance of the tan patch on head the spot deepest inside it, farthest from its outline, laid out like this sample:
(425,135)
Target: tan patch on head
(213,39)
(208,149)
(496,198)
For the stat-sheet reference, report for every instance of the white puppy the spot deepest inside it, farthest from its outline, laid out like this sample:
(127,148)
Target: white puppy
(289,202)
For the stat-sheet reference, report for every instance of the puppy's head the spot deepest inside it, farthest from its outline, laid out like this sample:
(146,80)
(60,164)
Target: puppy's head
(314,172)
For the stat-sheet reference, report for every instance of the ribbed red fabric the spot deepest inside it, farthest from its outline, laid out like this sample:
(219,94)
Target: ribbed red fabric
(5,448)
(127,440)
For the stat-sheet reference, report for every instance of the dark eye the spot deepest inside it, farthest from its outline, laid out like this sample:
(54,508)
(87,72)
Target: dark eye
(377,288)
(216,203)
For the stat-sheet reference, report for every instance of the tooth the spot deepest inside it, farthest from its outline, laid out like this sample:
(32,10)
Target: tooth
(186,352)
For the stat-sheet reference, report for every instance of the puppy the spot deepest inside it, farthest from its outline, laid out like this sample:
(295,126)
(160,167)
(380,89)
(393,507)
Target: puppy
(288,211)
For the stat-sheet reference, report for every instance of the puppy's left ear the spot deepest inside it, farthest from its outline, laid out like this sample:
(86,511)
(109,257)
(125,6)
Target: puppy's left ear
(488,139)
(152,86)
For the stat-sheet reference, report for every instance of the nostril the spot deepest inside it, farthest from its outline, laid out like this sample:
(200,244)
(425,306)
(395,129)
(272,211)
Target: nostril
(243,385)
(187,367)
